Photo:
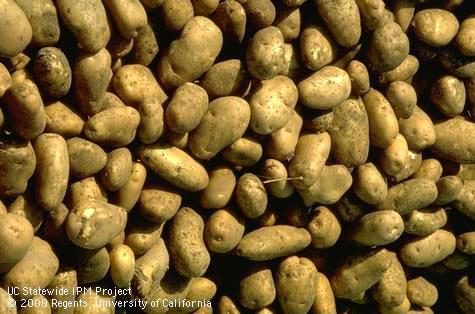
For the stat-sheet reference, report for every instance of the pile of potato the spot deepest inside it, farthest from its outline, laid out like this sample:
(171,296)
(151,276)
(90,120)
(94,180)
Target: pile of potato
(259,156)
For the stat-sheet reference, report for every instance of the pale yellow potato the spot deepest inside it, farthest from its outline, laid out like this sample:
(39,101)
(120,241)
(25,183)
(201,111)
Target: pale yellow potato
(152,120)
(65,278)
(251,196)
(276,176)
(403,98)
(128,195)
(292,65)
(92,265)
(372,13)
(418,130)
(220,188)
(16,238)
(454,140)
(176,13)
(369,184)
(122,265)
(85,158)
(317,48)
(265,53)
(159,203)
(204,7)
(395,157)
(142,235)
(224,230)
(282,143)
(448,95)
(359,77)
(466,242)
(377,228)
(448,187)
(464,38)
(231,18)
(324,302)
(244,152)
(324,228)
(404,72)
(52,72)
(435,27)
(430,169)
(117,170)
(129,16)
(62,119)
(15,28)
(87,188)
(423,222)
(288,20)
(421,292)
(145,46)
(256,288)
(390,290)
(226,78)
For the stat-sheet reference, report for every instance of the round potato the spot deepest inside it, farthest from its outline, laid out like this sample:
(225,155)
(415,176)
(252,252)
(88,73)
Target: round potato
(377,228)
(448,95)
(430,169)
(435,27)
(261,13)
(372,13)
(220,188)
(324,228)
(251,196)
(53,72)
(317,47)
(257,289)
(15,28)
(421,292)
(223,230)
(176,13)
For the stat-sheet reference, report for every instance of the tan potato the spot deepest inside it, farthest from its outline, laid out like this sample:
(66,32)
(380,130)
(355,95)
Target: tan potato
(257,289)
(317,48)
(465,201)
(454,140)
(261,13)
(204,7)
(117,170)
(269,218)
(324,228)
(403,308)
(418,130)
(65,278)
(128,195)
(145,46)
(423,222)
(466,242)
(85,157)
(464,38)
(390,291)
(26,206)
(448,95)
(16,238)
(176,13)
(464,294)
(52,71)
(403,98)
(288,20)
(231,18)
(324,302)
(377,228)
(223,230)
(267,243)
(159,203)
(372,13)
(292,65)
(152,120)
(180,140)
(395,157)
(92,265)
(227,78)
(435,27)
(276,178)
(404,72)
(15,28)
(87,20)
(111,100)
(87,188)
(421,292)
(359,77)
(63,120)
(244,152)
(5,79)
(202,290)
(448,188)
(282,143)
(122,265)
(369,184)
(129,16)
(251,196)
(428,250)
(430,169)
(220,188)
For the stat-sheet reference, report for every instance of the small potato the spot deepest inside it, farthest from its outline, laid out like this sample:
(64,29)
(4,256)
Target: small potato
(428,250)
(267,243)
(448,95)
(87,188)
(435,27)
(117,170)
(257,289)
(251,196)
(87,20)
(85,158)
(145,46)
(231,18)
(295,283)
(423,222)
(430,169)
(223,230)
(317,48)
(91,224)
(395,157)
(418,130)
(261,13)
(359,77)
(227,78)
(404,72)
(5,79)
(325,89)
(421,292)
(159,203)
(453,140)
(464,294)
(377,228)
(282,143)
(265,53)
(152,120)
(63,120)
(188,252)
(372,13)
(226,305)
(53,72)
(180,140)
(17,228)
(225,121)
(202,290)
(383,126)
(128,195)
(92,265)
(186,108)
(464,38)
(324,302)
(390,291)
(277,178)
(288,20)
(204,7)
(44,23)
(324,228)
(466,242)
(369,184)
(26,206)
(220,188)
(15,28)
(176,13)
(129,16)
(122,265)
(403,98)
(448,188)
(244,152)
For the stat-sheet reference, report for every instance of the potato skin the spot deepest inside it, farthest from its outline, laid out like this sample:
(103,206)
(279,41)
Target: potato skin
(220,188)
(176,13)
(317,48)
(466,242)
(465,202)
(223,230)
(18,228)
(421,292)
(5,80)
(405,71)
(128,195)
(63,120)
(448,95)
(85,157)
(53,72)
(324,228)
(129,16)
(257,289)
(402,97)
(145,47)
(275,170)
(435,27)
(453,140)
(448,187)
(226,78)
(122,265)
(377,228)
(369,184)
(324,302)
(359,77)
(464,293)
(231,18)
(159,203)
(251,196)
(261,13)
(92,265)
(423,222)
(226,305)
(244,152)
(463,39)
(282,143)
(117,169)
(15,28)
(44,23)
(152,120)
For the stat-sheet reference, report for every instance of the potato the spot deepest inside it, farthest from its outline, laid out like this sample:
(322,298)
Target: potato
(276,177)
(26,206)
(52,170)
(25,110)
(359,77)
(256,288)
(180,140)
(457,261)
(464,294)
(87,188)
(227,78)
(3,209)
(223,230)
(359,273)
(204,7)
(466,242)
(288,20)
(403,308)
(395,158)
(422,292)
(152,120)
(53,72)
(430,169)
(377,228)
(92,265)
(403,98)
(456,63)
(418,130)
(111,100)
(244,152)
(91,224)
(220,188)
(85,158)
(324,228)
(292,65)
(44,23)
(15,227)
(188,252)
(282,143)
(269,218)
(261,13)
(103,129)
(404,72)
(267,243)
(63,120)
(119,46)
(116,172)
(342,19)
(383,127)
(372,13)
(435,27)
(176,13)
(199,35)
(465,202)
(448,95)
(225,121)
(87,20)
(65,278)
(186,108)
(122,265)
(15,28)
(202,290)
(324,302)
(369,184)
(17,165)
(226,305)
(128,195)
(388,47)
(317,48)
(231,18)
(251,196)
(448,188)
(5,80)
(159,203)
(423,222)
(311,153)
(450,145)
(463,39)
(175,166)
(129,17)
(428,250)
(265,53)
(145,46)
(36,269)
(296,283)
(54,225)
(390,290)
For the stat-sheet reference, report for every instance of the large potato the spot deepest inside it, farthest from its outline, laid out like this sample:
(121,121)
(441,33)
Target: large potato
(435,27)
(453,140)
(223,230)
(15,29)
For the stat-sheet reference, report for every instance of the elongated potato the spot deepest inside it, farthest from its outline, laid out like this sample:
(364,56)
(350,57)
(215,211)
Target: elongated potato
(435,27)
(377,228)
(129,16)
(244,152)
(220,188)
(390,291)
(128,195)
(282,143)
(369,184)
(15,28)
(251,196)
(223,230)
(447,140)
(324,228)
(122,265)
(152,120)
(44,23)
(324,302)
(423,222)
(372,13)
(257,289)
(317,48)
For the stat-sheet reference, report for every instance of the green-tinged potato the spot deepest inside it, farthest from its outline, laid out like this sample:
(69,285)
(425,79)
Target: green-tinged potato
(372,13)
(403,98)
(52,71)
(92,265)
(94,302)
(128,195)
(117,170)
(369,184)
(403,308)
(456,63)
(152,120)
(435,27)
(430,169)
(145,47)
(325,89)
(342,18)
(465,294)
(390,290)
(465,201)
(87,20)
(251,196)
(5,79)
(220,188)
(428,250)
(87,188)
(186,108)
(295,282)
(395,157)
(311,153)
(244,152)
(159,203)
(227,78)
(418,130)
(200,42)
(26,206)
(272,104)
(276,177)
(176,13)
(16,237)
(231,18)
(454,140)
(202,290)
(188,252)
(464,38)
(324,302)
(103,129)
(332,182)
(257,289)
(15,28)
(404,72)
(17,165)
(227,306)
(448,188)
(91,79)
(36,269)
(63,120)
(261,13)
(44,23)
(377,228)
(421,292)
(324,228)
(223,230)
(175,166)
(129,16)
(267,243)
(288,20)
(25,111)
(85,158)
(91,224)
(423,222)
(359,77)
(52,170)
(122,265)
(282,143)
(383,126)
(317,48)
(204,7)
(265,53)
(225,121)
(466,242)
(350,133)
(448,95)
(358,273)
(180,140)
